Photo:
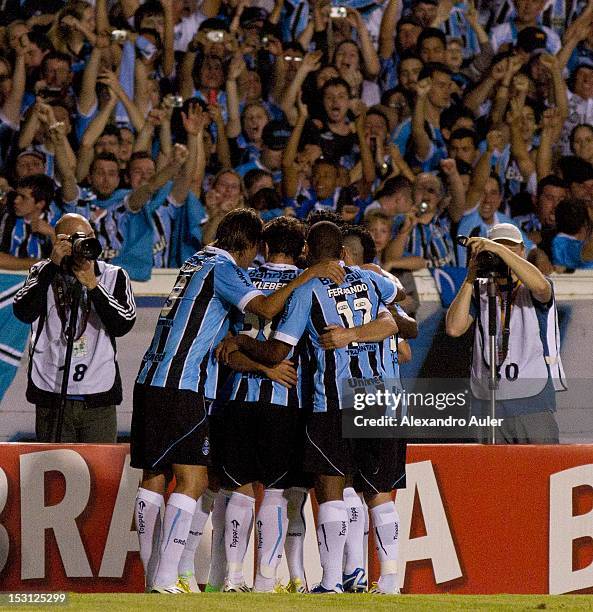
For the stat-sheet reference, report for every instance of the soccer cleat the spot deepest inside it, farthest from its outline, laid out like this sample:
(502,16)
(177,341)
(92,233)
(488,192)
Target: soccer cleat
(187,583)
(210,588)
(321,590)
(375,590)
(277,588)
(170,590)
(297,586)
(241,587)
(356,582)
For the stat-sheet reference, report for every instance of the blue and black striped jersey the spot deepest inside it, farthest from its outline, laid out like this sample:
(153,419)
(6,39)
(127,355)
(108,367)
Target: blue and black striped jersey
(193,319)
(320,303)
(252,387)
(18,238)
(163,212)
(393,381)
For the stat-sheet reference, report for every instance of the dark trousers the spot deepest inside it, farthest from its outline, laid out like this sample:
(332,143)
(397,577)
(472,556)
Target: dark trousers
(81,423)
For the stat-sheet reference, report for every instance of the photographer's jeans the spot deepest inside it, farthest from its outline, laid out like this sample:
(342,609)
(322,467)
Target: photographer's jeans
(81,423)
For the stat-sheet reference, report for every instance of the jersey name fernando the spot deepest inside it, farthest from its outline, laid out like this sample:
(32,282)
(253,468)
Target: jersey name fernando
(320,303)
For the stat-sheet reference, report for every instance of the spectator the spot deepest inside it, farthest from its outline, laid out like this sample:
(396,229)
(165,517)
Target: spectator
(27,224)
(343,105)
(479,221)
(423,237)
(572,247)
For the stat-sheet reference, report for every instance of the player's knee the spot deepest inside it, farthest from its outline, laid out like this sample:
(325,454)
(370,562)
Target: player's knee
(190,480)
(329,488)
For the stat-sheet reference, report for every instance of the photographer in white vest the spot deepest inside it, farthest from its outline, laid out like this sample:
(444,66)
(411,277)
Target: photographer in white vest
(527,342)
(107,311)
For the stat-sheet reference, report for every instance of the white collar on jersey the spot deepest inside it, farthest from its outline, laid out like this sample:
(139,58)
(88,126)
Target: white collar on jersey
(279,266)
(216,251)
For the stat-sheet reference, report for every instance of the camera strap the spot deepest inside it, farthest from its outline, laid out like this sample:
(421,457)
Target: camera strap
(506,318)
(63,289)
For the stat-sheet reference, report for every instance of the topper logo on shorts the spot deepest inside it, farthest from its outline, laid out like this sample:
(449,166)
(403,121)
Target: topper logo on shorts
(343,530)
(179,541)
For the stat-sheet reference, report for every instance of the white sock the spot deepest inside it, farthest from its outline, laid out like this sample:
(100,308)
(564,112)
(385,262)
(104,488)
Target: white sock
(217,572)
(295,532)
(365,539)
(386,526)
(354,548)
(271,522)
(201,514)
(147,512)
(332,529)
(178,516)
(237,531)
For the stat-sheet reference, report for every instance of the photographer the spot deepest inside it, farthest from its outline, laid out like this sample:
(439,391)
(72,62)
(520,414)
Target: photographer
(107,310)
(528,349)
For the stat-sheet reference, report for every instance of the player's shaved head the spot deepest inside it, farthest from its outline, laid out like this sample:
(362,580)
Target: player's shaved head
(71,223)
(354,250)
(360,244)
(325,241)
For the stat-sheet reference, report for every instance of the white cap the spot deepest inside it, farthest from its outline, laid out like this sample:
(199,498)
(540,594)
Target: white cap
(505,231)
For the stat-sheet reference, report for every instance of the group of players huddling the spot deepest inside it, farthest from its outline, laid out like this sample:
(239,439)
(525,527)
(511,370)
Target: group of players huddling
(242,384)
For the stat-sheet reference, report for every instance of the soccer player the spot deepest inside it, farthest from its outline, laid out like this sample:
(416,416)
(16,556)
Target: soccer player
(261,422)
(360,250)
(343,308)
(169,420)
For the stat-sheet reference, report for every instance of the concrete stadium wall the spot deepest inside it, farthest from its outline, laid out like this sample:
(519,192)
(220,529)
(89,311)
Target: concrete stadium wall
(434,354)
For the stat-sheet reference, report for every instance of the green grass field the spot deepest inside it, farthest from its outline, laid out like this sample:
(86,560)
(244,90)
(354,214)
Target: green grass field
(344,603)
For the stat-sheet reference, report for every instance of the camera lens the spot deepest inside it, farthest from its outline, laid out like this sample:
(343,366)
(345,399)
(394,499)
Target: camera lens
(89,248)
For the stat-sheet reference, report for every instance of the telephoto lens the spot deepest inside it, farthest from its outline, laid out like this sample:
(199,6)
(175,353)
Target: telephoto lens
(89,248)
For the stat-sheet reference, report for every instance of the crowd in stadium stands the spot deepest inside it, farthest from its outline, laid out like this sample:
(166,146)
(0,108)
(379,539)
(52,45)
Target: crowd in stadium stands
(420,119)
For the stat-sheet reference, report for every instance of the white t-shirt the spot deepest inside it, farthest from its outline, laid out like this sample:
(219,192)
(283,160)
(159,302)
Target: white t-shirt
(186,29)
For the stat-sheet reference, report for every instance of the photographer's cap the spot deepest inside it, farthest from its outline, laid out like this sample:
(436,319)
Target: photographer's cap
(505,231)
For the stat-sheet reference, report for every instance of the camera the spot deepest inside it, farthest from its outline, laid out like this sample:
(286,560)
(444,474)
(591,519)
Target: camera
(89,248)
(119,35)
(422,209)
(487,262)
(215,36)
(173,101)
(338,12)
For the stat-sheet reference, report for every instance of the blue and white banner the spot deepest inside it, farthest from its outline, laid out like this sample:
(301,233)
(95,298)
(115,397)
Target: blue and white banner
(13,333)
(448,280)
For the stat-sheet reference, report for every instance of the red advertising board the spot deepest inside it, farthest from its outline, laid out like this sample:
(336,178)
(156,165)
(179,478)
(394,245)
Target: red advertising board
(474,519)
